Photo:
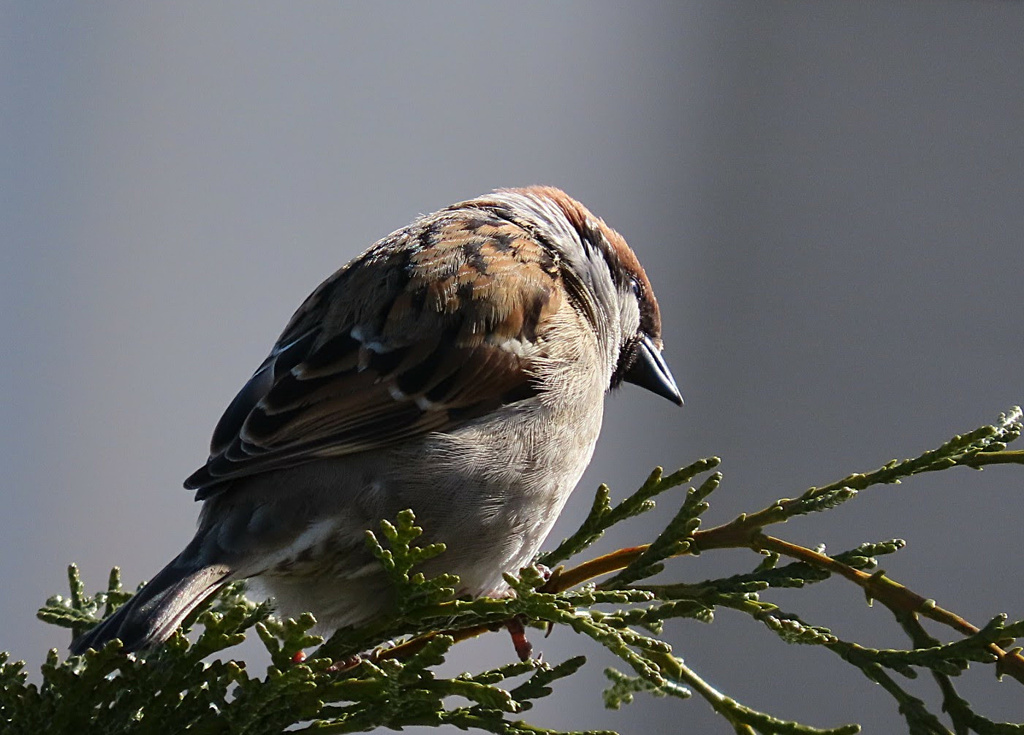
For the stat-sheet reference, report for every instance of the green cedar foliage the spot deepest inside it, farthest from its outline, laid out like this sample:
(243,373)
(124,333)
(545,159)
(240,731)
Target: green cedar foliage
(382,674)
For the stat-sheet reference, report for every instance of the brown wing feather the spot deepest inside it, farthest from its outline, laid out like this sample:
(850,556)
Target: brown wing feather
(433,326)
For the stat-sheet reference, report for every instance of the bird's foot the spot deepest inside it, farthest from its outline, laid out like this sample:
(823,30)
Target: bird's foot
(524,649)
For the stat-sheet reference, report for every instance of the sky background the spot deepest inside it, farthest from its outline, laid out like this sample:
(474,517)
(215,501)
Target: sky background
(826,195)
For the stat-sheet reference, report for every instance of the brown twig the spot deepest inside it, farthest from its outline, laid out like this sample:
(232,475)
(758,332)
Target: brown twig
(899,599)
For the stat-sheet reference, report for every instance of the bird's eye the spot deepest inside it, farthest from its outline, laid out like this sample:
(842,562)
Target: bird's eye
(638,290)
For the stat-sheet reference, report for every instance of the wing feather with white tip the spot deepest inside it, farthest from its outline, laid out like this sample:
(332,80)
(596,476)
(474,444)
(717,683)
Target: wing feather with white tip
(433,326)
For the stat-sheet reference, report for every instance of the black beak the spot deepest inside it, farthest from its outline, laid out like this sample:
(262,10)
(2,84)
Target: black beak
(650,371)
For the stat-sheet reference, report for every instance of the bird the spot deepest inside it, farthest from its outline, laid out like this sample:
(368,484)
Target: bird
(458,367)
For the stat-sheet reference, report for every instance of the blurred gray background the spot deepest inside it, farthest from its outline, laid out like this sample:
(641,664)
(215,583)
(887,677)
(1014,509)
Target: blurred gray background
(828,198)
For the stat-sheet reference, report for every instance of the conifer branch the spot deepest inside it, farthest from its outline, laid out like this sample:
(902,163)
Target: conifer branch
(383,674)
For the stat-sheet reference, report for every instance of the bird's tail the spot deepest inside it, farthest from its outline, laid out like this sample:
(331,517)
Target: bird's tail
(152,615)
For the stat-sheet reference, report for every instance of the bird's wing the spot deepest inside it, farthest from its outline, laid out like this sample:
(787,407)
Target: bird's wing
(433,326)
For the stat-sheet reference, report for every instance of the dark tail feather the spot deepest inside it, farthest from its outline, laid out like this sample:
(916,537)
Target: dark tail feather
(154,613)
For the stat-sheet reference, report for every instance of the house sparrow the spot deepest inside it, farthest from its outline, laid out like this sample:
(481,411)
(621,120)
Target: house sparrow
(458,367)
